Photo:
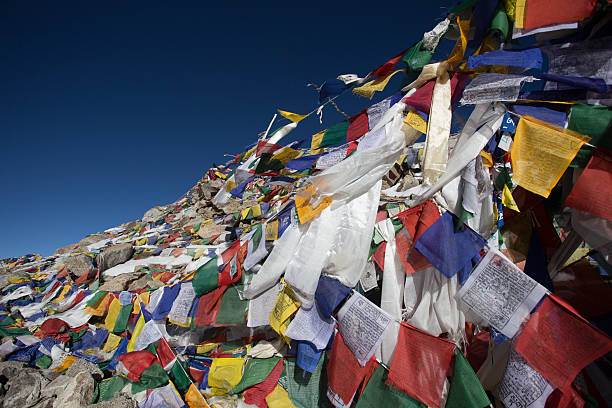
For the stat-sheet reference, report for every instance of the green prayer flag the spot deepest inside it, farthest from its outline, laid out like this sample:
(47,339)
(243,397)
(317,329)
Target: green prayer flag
(308,389)
(465,389)
(500,21)
(232,311)
(109,387)
(335,135)
(417,57)
(43,362)
(256,371)
(179,377)
(154,376)
(122,318)
(594,121)
(206,278)
(377,391)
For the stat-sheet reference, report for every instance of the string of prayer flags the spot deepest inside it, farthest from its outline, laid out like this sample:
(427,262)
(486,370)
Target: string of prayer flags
(541,153)
(500,293)
(559,343)
(420,364)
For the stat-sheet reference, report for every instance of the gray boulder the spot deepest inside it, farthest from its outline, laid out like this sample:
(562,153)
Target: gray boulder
(24,389)
(79,264)
(115,255)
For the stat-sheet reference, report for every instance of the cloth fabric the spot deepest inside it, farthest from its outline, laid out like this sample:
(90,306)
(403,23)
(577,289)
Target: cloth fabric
(376,391)
(341,363)
(420,364)
(559,343)
(329,294)
(450,249)
(592,193)
(256,395)
(465,389)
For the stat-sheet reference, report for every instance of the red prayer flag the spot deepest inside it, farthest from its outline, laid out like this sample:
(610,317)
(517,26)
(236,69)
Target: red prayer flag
(386,68)
(420,364)
(593,190)
(343,362)
(264,147)
(559,343)
(417,220)
(165,355)
(209,307)
(539,13)
(359,126)
(135,362)
(379,255)
(257,394)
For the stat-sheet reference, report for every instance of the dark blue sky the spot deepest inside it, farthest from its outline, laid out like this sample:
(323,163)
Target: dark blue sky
(109,108)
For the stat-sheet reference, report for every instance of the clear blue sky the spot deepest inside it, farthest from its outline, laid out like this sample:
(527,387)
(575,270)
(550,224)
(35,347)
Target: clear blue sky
(109,108)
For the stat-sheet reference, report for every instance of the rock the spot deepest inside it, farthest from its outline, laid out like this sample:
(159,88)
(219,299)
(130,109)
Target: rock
(144,283)
(81,365)
(65,250)
(234,206)
(79,264)
(24,389)
(71,391)
(91,239)
(45,403)
(207,231)
(207,191)
(153,214)
(118,401)
(205,211)
(115,255)
(119,282)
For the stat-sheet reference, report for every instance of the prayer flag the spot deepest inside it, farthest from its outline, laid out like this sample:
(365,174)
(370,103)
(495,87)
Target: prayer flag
(592,193)
(465,388)
(541,153)
(376,391)
(559,343)
(294,117)
(420,364)
(450,249)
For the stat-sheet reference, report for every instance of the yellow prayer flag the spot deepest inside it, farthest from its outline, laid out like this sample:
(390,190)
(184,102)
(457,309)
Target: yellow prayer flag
(272,231)
(256,210)
(194,399)
(487,158)
(415,120)
(141,241)
(199,252)
(224,374)
(244,213)
(112,342)
(315,143)
(111,316)
(65,364)
(457,54)
(367,90)
(137,329)
(62,294)
(510,6)
(205,348)
(286,154)
(304,207)
(519,13)
(99,308)
(294,117)
(508,200)
(541,153)
(279,398)
(286,304)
